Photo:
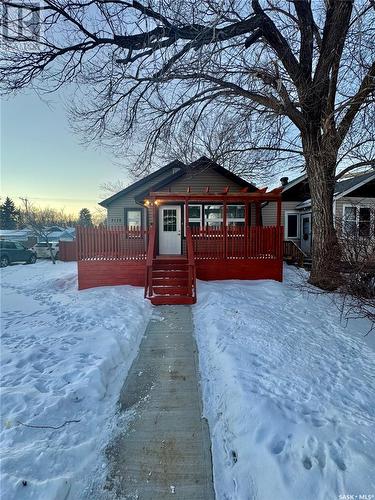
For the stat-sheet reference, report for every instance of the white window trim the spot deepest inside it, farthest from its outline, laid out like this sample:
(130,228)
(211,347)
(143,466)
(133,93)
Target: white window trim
(292,212)
(358,206)
(235,219)
(193,219)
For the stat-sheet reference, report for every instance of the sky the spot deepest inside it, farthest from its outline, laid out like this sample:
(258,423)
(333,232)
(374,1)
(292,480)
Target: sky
(42,158)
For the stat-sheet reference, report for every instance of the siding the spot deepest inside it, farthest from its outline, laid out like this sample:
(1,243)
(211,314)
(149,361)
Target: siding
(352,200)
(269,213)
(116,210)
(198,181)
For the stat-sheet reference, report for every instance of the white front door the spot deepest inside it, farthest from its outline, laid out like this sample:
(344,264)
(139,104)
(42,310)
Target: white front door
(170,230)
(306,233)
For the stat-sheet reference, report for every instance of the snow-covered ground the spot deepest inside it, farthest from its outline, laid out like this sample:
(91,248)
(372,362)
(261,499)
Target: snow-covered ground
(65,355)
(288,393)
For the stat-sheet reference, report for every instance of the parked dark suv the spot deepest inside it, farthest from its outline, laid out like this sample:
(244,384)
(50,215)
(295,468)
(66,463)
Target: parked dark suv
(14,251)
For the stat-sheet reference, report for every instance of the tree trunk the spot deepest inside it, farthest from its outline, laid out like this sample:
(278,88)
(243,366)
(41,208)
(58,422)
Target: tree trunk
(50,251)
(321,168)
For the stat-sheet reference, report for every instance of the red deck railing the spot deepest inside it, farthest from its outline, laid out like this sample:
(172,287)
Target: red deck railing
(191,264)
(238,242)
(233,242)
(149,261)
(116,243)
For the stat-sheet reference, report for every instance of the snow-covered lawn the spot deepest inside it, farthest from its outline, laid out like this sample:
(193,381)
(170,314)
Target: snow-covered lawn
(65,355)
(289,393)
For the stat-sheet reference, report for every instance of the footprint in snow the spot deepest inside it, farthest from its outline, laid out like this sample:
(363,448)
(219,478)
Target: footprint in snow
(336,457)
(277,446)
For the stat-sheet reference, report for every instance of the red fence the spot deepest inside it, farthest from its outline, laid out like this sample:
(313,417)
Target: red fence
(67,250)
(117,243)
(238,242)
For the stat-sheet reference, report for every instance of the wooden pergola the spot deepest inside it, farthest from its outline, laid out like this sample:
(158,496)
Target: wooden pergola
(157,198)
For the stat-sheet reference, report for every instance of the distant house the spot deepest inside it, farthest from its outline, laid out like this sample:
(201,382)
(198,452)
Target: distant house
(61,235)
(24,236)
(28,238)
(353,206)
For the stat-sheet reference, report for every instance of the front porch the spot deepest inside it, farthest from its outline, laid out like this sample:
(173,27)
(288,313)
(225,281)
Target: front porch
(220,240)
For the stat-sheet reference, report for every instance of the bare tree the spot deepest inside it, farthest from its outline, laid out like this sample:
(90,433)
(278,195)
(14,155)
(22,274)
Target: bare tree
(40,220)
(356,235)
(306,67)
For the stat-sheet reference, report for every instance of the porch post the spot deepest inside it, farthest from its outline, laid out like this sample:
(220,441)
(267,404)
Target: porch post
(186,213)
(257,213)
(246,229)
(278,218)
(225,228)
(155,222)
(186,218)
(154,213)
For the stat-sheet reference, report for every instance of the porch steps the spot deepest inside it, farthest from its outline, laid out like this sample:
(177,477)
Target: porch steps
(160,300)
(170,282)
(307,263)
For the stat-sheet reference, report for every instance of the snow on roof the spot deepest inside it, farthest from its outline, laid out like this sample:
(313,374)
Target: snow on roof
(348,184)
(15,233)
(59,235)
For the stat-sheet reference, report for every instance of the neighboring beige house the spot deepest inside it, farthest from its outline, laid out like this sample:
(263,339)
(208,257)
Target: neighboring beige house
(353,205)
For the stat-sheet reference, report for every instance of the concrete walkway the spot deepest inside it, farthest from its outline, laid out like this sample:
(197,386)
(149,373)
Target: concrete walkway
(164,451)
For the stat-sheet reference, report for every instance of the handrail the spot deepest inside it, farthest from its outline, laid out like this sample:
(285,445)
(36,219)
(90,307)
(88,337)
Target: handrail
(149,260)
(295,251)
(191,263)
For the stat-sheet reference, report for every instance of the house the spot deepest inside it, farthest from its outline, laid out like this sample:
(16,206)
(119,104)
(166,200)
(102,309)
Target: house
(61,235)
(353,206)
(24,236)
(182,222)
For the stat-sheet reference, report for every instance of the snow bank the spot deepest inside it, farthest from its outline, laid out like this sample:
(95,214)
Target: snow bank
(288,393)
(65,355)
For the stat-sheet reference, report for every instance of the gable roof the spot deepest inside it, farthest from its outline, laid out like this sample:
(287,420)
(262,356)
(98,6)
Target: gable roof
(347,185)
(182,170)
(294,182)
(204,161)
(343,187)
(170,166)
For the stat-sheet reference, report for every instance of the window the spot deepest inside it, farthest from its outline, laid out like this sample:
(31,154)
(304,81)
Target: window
(195,215)
(236,215)
(357,219)
(169,220)
(364,222)
(213,215)
(133,218)
(10,245)
(291,225)
(350,219)
(19,246)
